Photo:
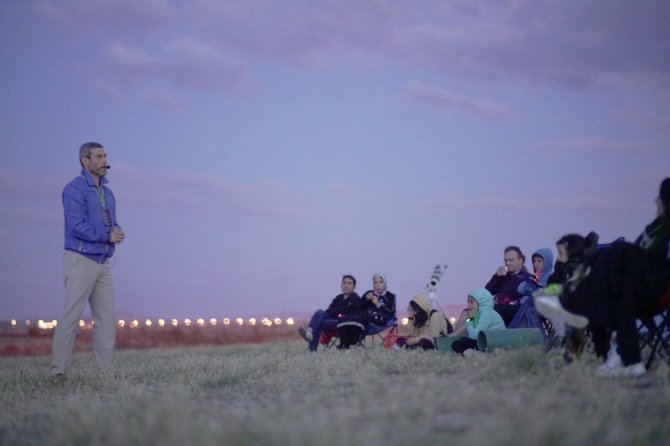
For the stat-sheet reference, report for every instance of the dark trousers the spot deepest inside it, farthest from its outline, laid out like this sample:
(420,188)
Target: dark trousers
(464,344)
(506,311)
(617,291)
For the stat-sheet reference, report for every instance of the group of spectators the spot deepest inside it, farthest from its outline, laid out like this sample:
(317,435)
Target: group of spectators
(604,288)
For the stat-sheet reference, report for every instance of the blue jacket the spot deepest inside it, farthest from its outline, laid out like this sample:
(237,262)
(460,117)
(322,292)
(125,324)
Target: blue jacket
(486,318)
(531,284)
(85,229)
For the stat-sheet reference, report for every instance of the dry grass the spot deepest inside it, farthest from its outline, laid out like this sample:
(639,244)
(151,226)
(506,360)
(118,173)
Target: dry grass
(278,394)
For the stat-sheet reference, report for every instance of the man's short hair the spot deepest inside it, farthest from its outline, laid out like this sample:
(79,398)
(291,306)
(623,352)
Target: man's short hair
(349,276)
(85,149)
(517,250)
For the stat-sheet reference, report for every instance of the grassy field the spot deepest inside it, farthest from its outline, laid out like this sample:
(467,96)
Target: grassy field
(278,394)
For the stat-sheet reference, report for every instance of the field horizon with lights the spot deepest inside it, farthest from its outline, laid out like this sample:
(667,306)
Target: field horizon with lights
(33,337)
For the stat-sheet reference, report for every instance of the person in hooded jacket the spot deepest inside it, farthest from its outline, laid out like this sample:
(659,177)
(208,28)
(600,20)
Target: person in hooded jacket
(527,316)
(481,316)
(426,324)
(617,285)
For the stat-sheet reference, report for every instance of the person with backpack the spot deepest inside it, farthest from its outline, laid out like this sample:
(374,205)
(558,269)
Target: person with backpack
(426,324)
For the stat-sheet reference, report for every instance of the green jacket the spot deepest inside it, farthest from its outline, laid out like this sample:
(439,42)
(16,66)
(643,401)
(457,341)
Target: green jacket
(486,318)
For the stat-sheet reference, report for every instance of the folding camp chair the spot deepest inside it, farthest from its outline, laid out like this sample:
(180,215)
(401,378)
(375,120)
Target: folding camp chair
(382,332)
(654,332)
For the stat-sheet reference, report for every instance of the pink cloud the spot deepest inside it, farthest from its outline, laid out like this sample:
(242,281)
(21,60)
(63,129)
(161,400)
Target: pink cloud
(182,62)
(448,101)
(208,193)
(598,144)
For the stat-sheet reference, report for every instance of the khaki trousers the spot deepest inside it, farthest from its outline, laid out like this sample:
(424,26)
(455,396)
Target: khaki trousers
(85,281)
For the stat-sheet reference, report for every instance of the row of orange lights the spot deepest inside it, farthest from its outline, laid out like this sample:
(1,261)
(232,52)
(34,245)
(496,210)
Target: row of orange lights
(47,325)
(200,322)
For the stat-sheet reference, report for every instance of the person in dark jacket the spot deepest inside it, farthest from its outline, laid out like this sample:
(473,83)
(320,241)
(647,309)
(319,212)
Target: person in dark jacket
(342,306)
(504,284)
(377,307)
(619,284)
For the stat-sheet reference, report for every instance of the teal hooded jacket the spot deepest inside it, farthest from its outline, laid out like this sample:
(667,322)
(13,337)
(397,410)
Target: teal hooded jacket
(486,318)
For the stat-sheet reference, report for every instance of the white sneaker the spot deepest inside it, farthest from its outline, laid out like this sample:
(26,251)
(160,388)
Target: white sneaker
(470,352)
(306,334)
(621,371)
(551,308)
(613,362)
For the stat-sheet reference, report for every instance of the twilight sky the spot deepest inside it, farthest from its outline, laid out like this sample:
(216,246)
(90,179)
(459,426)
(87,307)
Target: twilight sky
(261,149)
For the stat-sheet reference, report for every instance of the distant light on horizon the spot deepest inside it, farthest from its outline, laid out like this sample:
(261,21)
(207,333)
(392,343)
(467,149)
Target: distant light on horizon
(147,322)
(226,321)
(81,323)
(122,323)
(187,322)
(161,322)
(290,321)
(405,321)
(239,321)
(175,322)
(212,321)
(277,321)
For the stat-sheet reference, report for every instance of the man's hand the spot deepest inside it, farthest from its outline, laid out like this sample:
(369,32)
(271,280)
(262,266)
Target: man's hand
(116,235)
(501,271)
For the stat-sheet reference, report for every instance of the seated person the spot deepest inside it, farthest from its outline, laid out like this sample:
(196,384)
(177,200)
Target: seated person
(615,286)
(377,307)
(342,306)
(504,284)
(426,324)
(481,316)
(527,316)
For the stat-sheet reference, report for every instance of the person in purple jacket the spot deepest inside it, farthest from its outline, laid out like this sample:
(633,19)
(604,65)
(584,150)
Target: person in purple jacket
(91,235)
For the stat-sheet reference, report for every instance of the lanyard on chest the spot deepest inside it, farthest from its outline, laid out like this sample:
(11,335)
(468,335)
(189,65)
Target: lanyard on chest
(100,192)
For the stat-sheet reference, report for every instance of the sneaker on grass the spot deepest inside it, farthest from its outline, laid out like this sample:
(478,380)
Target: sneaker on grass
(306,334)
(621,371)
(551,308)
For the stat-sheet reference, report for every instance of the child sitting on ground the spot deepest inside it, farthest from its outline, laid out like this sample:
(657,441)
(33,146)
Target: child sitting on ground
(481,316)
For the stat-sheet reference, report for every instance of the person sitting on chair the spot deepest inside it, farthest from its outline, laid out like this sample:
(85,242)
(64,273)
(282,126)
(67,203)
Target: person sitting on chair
(527,316)
(618,284)
(377,307)
(343,305)
(504,284)
(426,324)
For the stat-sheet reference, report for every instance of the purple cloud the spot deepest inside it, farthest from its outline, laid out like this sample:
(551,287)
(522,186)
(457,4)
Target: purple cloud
(212,45)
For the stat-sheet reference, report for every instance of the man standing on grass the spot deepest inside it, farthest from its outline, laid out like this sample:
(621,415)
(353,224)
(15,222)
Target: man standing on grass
(91,233)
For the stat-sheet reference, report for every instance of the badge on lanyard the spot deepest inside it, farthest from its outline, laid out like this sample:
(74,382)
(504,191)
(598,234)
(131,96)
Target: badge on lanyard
(106,217)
